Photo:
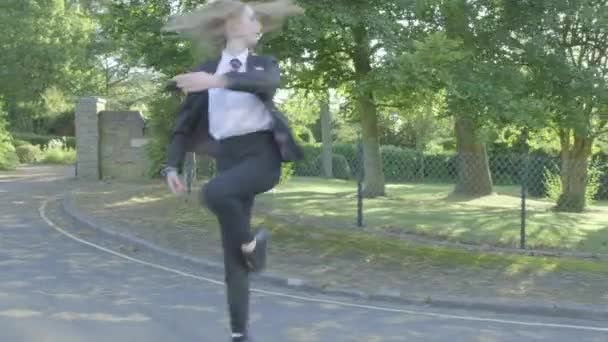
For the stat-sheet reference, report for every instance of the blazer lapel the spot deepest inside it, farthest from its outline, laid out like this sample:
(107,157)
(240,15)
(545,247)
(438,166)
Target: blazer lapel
(211,66)
(252,62)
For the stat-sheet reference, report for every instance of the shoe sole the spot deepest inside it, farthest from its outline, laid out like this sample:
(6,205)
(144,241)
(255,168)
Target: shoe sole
(261,237)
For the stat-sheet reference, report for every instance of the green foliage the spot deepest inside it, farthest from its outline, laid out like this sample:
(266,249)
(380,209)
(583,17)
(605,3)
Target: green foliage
(554,186)
(56,102)
(28,153)
(287,171)
(58,152)
(58,156)
(400,164)
(408,165)
(349,151)
(161,120)
(302,110)
(19,142)
(306,166)
(46,58)
(43,141)
(134,29)
(422,125)
(593,183)
(340,167)
(320,44)
(62,124)
(8,157)
(336,45)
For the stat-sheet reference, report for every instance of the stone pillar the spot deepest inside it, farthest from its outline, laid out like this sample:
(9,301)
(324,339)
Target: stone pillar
(87,137)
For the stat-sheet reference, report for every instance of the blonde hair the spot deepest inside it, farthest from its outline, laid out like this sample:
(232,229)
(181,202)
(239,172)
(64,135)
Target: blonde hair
(207,23)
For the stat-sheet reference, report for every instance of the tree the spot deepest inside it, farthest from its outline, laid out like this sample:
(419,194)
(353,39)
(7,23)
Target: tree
(44,45)
(564,46)
(339,42)
(465,55)
(460,22)
(133,30)
(302,109)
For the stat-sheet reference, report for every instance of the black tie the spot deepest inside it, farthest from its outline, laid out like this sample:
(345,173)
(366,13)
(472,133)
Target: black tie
(236,64)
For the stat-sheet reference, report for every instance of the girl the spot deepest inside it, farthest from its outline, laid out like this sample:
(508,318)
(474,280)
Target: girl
(229,110)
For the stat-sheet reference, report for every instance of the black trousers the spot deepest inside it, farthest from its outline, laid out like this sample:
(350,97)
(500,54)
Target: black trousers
(247,165)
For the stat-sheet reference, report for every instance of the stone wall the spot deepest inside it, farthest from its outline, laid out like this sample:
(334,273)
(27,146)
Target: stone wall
(121,142)
(110,145)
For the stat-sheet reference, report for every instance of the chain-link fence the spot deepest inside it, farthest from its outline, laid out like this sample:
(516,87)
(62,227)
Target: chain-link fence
(476,197)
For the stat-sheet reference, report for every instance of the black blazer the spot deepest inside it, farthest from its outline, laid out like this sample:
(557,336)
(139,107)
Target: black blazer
(191,130)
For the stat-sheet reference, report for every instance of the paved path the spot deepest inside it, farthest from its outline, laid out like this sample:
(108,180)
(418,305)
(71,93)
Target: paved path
(53,288)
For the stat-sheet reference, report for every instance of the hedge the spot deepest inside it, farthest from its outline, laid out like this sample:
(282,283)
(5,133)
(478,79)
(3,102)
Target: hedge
(407,165)
(42,140)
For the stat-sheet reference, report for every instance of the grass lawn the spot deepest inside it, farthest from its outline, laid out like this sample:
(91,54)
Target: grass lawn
(425,209)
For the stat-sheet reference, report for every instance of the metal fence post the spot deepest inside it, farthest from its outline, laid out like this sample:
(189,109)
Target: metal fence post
(190,170)
(360,176)
(524,189)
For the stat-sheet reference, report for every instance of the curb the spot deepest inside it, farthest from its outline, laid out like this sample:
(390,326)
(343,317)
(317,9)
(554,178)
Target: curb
(393,297)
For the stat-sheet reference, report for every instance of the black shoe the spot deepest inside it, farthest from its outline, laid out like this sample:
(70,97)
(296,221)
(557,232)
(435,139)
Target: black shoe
(256,260)
(241,339)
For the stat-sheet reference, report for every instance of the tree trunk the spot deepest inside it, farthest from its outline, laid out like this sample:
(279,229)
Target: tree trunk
(326,138)
(574,171)
(474,177)
(373,183)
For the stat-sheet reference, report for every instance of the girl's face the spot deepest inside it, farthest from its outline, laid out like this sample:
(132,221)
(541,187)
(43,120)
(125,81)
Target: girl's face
(244,26)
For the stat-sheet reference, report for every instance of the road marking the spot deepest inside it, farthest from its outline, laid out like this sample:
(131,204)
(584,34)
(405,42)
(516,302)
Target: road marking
(42,212)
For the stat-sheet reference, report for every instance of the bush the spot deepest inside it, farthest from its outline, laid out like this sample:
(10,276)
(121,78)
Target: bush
(440,167)
(58,152)
(340,167)
(163,111)
(58,156)
(18,142)
(43,140)
(407,165)
(538,163)
(602,161)
(62,124)
(593,183)
(287,170)
(553,183)
(400,164)
(8,157)
(306,166)
(28,153)
(349,152)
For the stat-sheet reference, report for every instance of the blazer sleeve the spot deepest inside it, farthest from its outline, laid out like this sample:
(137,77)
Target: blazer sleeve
(261,82)
(187,119)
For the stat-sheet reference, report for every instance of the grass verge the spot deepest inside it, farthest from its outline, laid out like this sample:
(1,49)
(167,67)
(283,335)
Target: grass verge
(344,258)
(427,210)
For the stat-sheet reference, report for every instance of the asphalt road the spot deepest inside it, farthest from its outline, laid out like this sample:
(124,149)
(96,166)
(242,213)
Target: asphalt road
(54,288)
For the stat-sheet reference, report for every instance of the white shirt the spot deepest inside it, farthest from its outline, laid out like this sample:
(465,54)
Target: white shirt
(233,113)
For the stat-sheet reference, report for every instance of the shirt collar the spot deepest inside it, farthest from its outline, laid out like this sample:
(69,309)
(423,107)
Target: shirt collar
(241,57)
